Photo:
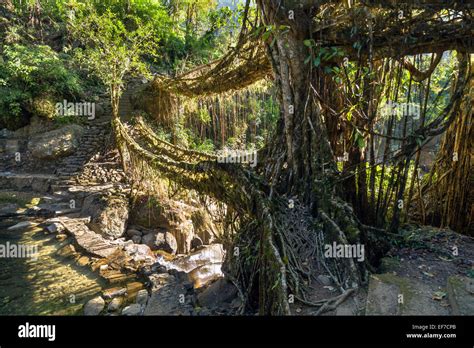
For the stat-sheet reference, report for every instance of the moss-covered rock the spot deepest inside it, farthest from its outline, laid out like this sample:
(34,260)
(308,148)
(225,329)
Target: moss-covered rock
(57,143)
(109,215)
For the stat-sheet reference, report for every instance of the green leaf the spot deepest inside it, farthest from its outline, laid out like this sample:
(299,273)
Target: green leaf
(359,139)
(308,43)
(317,61)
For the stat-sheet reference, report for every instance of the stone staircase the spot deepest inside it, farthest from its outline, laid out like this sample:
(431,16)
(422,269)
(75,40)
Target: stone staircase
(91,142)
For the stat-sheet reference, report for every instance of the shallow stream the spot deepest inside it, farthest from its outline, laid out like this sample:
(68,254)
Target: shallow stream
(47,284)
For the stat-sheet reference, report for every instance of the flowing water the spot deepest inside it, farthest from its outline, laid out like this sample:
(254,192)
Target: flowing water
(46,284)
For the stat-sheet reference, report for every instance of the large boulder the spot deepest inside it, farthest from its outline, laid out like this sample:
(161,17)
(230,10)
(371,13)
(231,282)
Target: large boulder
(208,255)
(109,214)
(184,221)
(204,275)
(56,143)
(169,296)
(219,292)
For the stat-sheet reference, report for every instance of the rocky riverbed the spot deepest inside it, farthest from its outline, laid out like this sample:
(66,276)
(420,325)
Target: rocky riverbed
(78,270)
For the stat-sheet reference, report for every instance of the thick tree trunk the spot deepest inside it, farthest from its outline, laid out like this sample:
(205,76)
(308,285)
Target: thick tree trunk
(302,139)
(302,142)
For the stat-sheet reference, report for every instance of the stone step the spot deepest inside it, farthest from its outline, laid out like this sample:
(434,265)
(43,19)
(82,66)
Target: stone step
(35,182)
(87,239)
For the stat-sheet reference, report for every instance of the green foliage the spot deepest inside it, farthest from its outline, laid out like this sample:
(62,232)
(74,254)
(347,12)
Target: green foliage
(204,116)
(321,54)
(32,78)
(111,49)
(206,146)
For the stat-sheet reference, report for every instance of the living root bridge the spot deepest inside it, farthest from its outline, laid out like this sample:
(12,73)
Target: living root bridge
(280,248)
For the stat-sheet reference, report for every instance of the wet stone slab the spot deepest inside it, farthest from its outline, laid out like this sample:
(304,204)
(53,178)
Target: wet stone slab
(87,239)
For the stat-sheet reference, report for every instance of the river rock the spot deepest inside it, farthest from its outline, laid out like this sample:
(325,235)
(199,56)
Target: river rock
(168,297)
(133,232)
(83,261)
(209,254)
(55,227)
(149,240)
(196,243)
(8,209)
(204,275)
(164,214)
(140,253)
(142,297)
(133,309)
(88,240)
(221,291)
(94,306)
(114,292)
(167,242)
(109,214)
(184,221)
(115,304)
(56,143)
(5,133)
(61,237)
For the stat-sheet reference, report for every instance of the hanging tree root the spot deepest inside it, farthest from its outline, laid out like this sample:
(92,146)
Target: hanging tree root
(279,248)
